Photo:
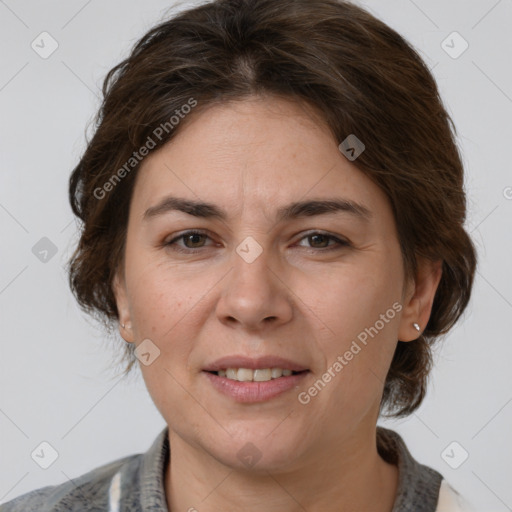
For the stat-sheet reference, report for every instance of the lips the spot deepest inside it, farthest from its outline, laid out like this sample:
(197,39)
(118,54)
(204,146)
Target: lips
(288,375)
(252,392)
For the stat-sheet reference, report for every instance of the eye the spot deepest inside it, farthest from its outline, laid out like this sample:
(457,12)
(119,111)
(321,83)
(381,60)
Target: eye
(191,239)
(318,240)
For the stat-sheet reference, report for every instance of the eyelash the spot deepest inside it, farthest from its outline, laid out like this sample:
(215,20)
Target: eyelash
(172,243)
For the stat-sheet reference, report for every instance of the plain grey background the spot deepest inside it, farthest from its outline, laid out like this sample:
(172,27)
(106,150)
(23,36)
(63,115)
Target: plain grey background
(55,381)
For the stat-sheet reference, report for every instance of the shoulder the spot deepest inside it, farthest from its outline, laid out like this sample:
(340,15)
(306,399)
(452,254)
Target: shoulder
(420,487)
(88,492)
(451,501)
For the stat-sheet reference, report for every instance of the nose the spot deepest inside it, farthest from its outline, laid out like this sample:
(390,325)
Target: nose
(254,295)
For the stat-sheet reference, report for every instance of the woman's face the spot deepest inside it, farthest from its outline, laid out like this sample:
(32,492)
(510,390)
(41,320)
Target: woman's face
(262,280)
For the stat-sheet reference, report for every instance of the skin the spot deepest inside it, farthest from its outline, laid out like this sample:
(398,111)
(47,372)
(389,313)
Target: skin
(296,300)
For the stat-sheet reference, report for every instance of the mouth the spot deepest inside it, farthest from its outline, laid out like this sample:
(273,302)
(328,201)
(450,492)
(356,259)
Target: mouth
(250,380)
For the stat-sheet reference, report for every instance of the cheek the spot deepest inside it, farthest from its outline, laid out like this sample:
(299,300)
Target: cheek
(160,296)
(352,300)
(165,308)
(359,312)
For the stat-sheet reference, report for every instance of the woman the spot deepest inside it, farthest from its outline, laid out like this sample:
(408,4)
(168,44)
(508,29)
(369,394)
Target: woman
(273,211)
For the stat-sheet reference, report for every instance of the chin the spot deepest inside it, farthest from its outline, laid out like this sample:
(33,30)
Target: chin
(256,450)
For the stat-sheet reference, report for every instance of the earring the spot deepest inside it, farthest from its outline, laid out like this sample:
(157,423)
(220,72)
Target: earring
(122,325)
(416,326)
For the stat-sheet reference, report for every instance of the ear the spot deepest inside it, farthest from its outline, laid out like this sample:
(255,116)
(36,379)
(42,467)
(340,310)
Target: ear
(418,299)
(119,289)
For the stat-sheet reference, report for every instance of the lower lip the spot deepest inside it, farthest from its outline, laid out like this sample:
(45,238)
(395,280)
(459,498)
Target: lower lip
(254,391)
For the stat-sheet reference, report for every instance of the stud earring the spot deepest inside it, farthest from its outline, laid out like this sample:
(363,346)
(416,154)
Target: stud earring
(416,326)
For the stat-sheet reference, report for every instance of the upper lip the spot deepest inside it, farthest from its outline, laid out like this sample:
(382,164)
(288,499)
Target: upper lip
(253,363)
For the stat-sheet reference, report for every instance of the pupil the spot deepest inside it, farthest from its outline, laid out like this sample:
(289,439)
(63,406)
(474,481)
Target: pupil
(312,237)
(194,235)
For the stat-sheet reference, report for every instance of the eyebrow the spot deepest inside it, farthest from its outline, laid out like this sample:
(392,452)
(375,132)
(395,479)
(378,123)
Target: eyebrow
(292,211)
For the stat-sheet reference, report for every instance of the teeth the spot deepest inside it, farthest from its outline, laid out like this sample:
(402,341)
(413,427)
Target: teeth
(276,372)
(259,375)
(231,373)
(244,374)
(262,375)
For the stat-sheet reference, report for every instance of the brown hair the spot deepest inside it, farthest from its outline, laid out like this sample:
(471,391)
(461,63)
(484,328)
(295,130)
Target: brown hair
(363,78)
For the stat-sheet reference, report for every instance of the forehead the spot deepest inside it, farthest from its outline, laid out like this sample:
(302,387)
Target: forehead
(262,152)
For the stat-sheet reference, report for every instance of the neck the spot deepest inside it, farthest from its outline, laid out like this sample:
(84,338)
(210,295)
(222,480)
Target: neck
(354,478)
